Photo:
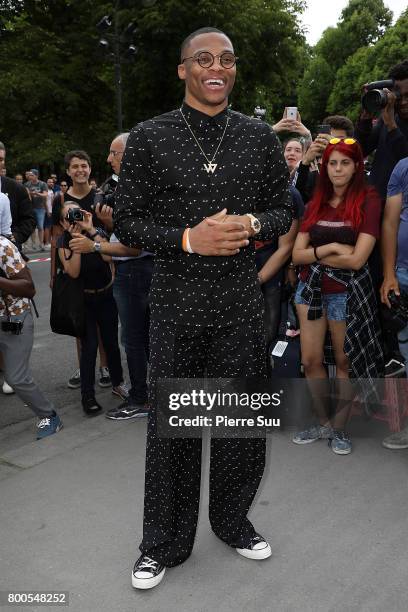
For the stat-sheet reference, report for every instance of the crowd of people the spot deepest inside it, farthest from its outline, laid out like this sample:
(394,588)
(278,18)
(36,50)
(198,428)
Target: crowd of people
(314,248)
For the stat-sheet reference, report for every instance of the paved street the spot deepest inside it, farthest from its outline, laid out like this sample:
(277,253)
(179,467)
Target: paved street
(71,510)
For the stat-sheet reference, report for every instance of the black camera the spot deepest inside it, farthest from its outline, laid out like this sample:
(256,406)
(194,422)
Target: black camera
(375,98)
(12,327)
(259,113)
(74,215)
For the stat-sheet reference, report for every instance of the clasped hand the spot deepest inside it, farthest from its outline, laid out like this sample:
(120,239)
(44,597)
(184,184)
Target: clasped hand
(220,234)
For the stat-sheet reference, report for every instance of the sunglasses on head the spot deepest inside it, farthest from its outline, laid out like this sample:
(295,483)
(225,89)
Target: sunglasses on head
(347,141)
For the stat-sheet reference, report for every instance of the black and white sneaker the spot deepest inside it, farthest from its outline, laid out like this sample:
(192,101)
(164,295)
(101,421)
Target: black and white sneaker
(147,573)
(257,549)
(126,410)
(90,406)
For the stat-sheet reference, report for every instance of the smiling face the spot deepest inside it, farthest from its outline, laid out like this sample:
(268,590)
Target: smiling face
(293,153)
(207,89)
(79,170)
(340,169)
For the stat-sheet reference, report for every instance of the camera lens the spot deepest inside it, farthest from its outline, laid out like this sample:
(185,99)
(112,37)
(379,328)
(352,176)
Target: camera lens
(374,100)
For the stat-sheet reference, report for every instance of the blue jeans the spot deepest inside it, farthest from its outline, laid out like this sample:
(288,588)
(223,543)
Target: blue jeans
(402,276)
(131,291)
(334,304)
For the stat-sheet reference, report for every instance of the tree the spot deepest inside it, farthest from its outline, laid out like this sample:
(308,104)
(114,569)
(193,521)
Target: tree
(368,64)
(57,93)
(361,24)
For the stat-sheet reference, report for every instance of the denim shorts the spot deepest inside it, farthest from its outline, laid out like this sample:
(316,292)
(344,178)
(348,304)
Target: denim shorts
(334,304)
(39,217)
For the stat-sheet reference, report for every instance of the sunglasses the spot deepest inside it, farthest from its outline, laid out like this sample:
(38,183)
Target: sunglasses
(347,141)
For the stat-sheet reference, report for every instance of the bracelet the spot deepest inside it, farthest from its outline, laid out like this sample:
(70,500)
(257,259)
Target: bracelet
(185,242)
(315,254)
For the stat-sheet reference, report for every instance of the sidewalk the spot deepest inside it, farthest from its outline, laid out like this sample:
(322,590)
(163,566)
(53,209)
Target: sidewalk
(72,505)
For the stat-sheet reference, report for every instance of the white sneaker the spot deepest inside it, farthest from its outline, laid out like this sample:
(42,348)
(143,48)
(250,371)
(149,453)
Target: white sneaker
(258,549)
(147,573)
(7,389)
(46,247)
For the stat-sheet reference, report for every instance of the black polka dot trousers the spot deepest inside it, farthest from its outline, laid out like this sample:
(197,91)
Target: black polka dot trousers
(173,466)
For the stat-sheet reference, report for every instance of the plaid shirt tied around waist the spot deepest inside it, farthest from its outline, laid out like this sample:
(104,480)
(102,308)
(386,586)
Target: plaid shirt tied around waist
(362,340)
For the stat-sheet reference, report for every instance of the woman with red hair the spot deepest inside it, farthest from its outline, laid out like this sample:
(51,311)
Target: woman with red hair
(335,296)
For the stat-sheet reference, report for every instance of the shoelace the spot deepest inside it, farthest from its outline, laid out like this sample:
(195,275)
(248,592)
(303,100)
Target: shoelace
(148,563)
(339,435)
(44,423)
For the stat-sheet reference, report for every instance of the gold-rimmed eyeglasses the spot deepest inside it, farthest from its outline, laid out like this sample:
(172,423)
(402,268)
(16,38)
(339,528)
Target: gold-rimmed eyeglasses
(206,59)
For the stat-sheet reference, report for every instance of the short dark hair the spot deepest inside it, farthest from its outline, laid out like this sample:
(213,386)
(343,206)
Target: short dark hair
(190,37)
(80,154)
(339,122)
(58,206)
(400,71)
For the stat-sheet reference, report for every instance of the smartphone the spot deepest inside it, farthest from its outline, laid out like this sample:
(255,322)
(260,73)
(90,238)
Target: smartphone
(324,128)
(291,112)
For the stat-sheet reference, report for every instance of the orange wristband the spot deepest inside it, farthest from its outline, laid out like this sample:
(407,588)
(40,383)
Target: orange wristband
(184,240)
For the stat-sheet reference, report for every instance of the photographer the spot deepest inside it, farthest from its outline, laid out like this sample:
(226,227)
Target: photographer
(100,308)
(78,168)
(16,336)
(389,137)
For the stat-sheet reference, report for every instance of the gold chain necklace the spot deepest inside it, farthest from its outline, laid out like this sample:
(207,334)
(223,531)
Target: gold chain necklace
(209,166)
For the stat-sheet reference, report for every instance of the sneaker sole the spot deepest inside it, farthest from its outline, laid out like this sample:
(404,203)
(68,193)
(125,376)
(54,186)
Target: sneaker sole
(127,418)
(338,451)
(256,555)
(305,441)
(104,385)
(71,386)
(124,397)
(392,446)
(147,583)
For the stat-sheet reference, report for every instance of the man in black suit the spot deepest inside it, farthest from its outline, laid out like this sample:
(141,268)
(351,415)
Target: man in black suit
(23,220)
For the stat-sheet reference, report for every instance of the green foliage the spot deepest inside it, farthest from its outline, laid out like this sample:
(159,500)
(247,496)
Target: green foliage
(315,89)
(57,92)
(348,56)
(368,64)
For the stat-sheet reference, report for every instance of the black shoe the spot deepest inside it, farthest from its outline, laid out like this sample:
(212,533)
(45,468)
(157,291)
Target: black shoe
(394,368)
(147,573)
(126,410)
(91,406)
(104,378)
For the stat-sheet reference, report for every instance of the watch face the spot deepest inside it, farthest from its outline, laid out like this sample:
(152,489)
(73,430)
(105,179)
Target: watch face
(256,224)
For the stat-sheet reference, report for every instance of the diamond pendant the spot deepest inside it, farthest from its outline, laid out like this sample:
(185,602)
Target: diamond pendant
(210,167)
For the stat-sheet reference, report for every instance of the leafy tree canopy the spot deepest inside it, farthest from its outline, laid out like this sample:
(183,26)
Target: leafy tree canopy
(57,90)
